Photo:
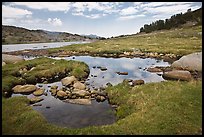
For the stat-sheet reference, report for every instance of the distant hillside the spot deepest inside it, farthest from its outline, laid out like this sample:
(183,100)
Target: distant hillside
(94,36)
(187,19)
(17,35)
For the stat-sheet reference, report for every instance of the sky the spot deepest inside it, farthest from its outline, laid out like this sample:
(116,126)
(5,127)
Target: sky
(105,19)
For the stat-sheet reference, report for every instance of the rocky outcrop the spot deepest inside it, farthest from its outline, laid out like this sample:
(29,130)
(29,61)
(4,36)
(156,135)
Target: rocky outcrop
(191,62)
(11,58)
(24,89)
(68,80)
(177,75)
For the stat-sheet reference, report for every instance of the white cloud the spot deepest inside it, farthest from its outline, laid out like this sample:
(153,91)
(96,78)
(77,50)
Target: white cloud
(141,15)
(128,11)
(137,3)
(11,12)
(93,16)
(127,17)
(51,6)
(79,6)
(157,4)
(55,21)
(104,7)
(86,9)
(78,13)
(173,9)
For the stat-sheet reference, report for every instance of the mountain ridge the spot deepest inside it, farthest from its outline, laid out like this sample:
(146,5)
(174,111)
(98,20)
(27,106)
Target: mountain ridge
(20,35)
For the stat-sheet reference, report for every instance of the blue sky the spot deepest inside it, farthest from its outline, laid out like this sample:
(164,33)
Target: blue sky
(101,18)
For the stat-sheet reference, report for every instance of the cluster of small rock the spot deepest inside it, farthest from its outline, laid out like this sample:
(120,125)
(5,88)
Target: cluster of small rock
(74,89)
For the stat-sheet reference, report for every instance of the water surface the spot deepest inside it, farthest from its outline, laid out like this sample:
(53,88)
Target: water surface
(136,68)
(17,47)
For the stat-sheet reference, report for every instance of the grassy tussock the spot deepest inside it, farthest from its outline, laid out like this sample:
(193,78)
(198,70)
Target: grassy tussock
(43,68)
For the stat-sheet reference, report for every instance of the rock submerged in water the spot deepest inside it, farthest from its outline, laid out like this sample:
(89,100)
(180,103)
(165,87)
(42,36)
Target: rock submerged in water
(24,88)
(191,62)
(122,73)
(103,68)
(177,75)
(154,70)
(35,100)
(78,101)
(38,92)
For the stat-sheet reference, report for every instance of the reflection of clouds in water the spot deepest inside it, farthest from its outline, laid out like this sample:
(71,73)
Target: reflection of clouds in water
(153,78)
(108,77)
(128,65)
(120,64)
(137,74)
(96,72)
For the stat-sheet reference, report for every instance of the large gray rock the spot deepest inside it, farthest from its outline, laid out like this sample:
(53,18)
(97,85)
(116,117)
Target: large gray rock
(79,101)
(189,62)
(24,89)
(79,85)
(68,80)
(11,58)
(177,75)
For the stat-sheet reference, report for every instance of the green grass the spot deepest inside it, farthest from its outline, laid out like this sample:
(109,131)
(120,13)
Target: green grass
(44,68)
(177,41)
(170,107)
